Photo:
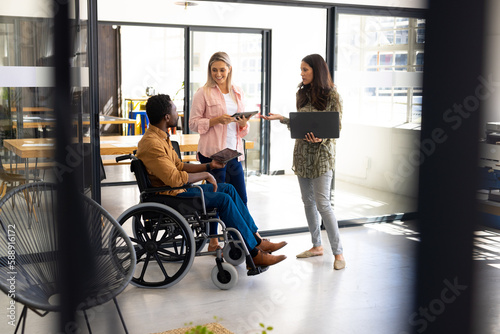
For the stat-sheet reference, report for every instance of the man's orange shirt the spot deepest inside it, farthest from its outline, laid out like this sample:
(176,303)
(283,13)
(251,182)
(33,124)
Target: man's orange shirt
(162,162)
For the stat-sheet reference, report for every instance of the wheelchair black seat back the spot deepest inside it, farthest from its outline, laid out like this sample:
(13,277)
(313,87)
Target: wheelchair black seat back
(168,231)
(191,208)
(183,205)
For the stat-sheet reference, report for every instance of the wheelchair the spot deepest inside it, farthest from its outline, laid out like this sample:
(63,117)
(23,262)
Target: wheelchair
(169,231)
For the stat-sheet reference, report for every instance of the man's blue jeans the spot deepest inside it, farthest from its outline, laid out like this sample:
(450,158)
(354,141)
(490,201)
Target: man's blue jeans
(232,173)
(232,211)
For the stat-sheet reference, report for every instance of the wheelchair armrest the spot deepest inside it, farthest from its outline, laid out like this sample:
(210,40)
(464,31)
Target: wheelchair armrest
(165,188)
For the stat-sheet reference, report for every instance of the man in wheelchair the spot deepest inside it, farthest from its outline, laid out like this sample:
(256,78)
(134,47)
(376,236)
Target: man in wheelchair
(165,168)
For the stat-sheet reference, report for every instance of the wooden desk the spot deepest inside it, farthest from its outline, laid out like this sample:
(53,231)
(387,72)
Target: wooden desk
(30,147)
(33,109)
(110,145)
(116,145)
(37,109)
(34,148)
(44,147)
(35,122)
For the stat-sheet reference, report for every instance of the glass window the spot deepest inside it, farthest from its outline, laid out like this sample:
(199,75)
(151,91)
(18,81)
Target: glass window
(26,46)
(27,117)
(385,59)
(154,60)
(392,49)
(401,36)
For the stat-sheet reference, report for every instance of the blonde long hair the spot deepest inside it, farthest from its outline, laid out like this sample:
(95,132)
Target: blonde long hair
(219,56)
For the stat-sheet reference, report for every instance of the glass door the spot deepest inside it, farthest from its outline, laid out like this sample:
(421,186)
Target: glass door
(246,53)
(379,73)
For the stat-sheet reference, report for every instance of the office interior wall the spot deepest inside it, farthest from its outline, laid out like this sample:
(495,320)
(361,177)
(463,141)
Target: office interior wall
(381,158)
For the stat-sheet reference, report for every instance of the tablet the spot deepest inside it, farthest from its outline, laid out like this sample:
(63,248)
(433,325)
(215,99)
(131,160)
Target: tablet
(246,114)
(323,124)
(225,155)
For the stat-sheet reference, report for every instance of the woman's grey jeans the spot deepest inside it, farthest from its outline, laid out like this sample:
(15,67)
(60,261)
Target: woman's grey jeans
(316,198)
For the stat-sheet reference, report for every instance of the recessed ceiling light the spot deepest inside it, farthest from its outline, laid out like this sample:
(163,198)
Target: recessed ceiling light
(186,4)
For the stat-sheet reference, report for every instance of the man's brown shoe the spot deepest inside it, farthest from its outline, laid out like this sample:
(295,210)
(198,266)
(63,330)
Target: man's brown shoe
(265,259)
(268,246)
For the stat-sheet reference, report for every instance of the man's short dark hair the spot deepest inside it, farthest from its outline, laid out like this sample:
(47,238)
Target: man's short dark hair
(157,107)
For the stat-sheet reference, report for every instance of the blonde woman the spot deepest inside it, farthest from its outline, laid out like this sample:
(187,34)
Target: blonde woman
(211,110)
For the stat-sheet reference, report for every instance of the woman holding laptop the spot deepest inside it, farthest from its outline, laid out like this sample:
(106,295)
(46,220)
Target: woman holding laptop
(314,158)
(212,112)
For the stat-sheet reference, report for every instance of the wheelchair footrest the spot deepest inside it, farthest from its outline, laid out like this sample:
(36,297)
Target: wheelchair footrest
(252,268)
(256,271)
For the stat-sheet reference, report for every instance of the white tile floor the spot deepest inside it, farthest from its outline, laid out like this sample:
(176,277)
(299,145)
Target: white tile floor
(372,295)
(295,296)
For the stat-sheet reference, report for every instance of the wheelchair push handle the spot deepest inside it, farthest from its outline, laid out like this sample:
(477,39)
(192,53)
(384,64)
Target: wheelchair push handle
(126,157)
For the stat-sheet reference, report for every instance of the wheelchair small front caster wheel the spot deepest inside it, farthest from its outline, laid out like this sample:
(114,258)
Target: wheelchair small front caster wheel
(233,253)
(225,279)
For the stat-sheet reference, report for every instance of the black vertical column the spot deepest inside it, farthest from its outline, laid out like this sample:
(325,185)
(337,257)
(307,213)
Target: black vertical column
(93,57)
(447,184)
(74,256)
(265,127)
(331,51)
(187,80)
(331,39)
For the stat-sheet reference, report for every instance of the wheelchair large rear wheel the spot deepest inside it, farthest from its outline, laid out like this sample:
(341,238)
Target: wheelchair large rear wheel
(163,242)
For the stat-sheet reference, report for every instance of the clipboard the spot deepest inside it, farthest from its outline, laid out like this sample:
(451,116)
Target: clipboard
(247,114)
(225,155)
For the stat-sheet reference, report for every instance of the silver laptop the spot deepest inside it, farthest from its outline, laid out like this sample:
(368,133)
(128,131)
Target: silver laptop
(323,124)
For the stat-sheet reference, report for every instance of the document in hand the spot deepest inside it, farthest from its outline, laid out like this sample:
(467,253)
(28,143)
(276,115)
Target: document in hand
(225,155)
(245,114)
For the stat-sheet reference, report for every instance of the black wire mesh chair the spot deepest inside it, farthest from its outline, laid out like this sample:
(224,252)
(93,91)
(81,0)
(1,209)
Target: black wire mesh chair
(29,252)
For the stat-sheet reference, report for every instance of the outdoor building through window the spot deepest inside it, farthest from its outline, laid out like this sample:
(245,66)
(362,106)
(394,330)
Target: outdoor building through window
(379,68)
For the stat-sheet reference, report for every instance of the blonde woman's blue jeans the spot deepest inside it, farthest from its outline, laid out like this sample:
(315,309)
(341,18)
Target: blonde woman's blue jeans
(316,198)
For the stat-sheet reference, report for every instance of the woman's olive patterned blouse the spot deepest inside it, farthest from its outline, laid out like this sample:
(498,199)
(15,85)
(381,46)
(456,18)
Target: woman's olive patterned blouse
(313,160)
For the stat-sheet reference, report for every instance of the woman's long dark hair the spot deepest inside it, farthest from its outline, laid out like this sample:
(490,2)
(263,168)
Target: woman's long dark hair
(318,90)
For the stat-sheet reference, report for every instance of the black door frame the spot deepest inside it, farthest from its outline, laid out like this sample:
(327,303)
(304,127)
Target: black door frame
(265,130)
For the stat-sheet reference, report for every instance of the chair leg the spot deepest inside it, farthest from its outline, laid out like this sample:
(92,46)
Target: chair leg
(120,314)
(22,319)
(87,321)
